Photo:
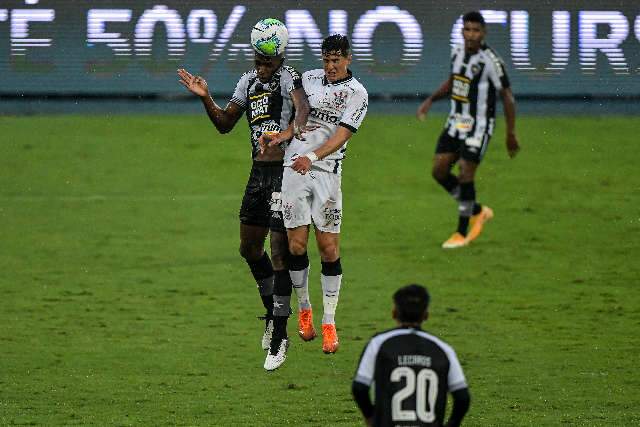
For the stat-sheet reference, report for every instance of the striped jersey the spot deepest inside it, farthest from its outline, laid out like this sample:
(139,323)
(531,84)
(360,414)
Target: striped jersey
(476,79)
(341,103)
(413,371)
(268,106)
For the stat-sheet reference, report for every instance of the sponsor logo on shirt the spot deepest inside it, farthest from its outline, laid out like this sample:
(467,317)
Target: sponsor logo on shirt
(460,89)
(325,116)
(259,106)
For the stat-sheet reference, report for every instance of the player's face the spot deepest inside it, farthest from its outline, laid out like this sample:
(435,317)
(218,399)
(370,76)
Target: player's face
(266,66)
(335,66)
(473,34)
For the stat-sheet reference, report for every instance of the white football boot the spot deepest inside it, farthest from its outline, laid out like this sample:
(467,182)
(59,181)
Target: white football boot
(268,333)
(274,361)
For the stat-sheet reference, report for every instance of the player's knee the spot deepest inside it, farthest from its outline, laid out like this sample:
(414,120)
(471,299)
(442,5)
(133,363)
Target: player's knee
(329,252)
(278,258)
(297,246)
(279,250)
(439,174)
(250,252)
(467,171)
(465,176)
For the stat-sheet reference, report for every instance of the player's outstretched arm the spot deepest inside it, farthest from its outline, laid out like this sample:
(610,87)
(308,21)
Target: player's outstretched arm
(361,396)
(275,139)
(510,116)
(440,93)
(461,402)
(223,119)
(303,163)
(301,103)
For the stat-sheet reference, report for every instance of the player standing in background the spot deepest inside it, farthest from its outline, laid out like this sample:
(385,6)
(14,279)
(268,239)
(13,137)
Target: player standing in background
(477,73)
(311,185)
(413,371)
(269,95)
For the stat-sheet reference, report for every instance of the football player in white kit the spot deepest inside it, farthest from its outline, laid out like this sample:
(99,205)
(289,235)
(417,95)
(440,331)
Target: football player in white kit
(311,186)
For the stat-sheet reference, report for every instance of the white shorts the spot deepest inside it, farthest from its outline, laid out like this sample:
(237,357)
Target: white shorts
(315,196)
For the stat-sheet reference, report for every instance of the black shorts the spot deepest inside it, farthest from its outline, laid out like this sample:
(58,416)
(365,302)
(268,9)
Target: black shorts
(259,198)
(471,149)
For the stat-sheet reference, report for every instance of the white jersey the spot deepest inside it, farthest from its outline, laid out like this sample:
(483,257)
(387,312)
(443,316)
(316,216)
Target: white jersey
(342,103)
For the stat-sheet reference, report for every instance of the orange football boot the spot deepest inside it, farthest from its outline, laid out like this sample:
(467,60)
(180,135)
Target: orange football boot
(330,342)
(305,324)
(476,222)
(456,240)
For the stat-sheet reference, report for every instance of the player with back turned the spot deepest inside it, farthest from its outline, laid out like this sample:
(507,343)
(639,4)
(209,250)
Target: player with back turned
(413,371)
(477,75)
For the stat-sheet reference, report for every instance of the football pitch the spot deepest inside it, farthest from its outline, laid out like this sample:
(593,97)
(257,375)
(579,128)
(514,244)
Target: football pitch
(124,301)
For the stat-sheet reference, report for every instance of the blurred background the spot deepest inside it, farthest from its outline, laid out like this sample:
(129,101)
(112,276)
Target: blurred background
(116,56)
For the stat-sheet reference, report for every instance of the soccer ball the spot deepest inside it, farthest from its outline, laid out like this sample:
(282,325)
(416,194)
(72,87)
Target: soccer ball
(269,37)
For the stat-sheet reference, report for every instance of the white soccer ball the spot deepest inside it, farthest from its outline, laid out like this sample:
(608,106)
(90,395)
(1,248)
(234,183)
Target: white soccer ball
(269,37)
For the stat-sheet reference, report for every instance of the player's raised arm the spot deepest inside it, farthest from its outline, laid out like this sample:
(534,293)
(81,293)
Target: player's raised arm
(301,103)
(510,117)
(440,93)
(223,119)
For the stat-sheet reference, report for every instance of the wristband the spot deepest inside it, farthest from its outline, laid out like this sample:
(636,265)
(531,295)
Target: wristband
(311,156)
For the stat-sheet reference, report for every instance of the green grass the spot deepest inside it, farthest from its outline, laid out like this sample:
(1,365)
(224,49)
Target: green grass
(123,300)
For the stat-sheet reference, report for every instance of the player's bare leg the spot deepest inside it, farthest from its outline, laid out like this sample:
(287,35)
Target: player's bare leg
(252,238)
(299,271)
(476,214)
(331,278)
(441,172)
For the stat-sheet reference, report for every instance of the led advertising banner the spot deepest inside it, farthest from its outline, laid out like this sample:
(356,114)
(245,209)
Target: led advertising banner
(565,48)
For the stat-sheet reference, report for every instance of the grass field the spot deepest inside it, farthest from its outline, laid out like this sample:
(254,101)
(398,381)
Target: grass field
(123,300)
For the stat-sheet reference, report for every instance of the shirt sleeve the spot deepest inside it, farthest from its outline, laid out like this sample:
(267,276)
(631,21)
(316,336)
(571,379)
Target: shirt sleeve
(240,94)
(290,79)
(356,110)
(367,365)
(498,72)
(456,377)
(454,54)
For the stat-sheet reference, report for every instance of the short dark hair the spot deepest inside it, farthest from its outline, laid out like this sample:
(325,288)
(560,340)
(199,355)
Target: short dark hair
(473,16)
(411,303)
(336,44)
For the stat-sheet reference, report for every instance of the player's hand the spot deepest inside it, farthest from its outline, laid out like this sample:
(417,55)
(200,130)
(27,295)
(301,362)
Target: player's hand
(423,109)
(195,84)
(301,165)
(268,139)
(512,145)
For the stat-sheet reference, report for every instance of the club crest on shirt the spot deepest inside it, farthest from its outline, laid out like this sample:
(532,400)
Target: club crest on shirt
(287,211)
(340,99)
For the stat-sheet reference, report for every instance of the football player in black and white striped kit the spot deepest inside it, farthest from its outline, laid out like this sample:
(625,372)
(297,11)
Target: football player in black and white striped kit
(413,371)
(268,95)
(477,76)
(311,184)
